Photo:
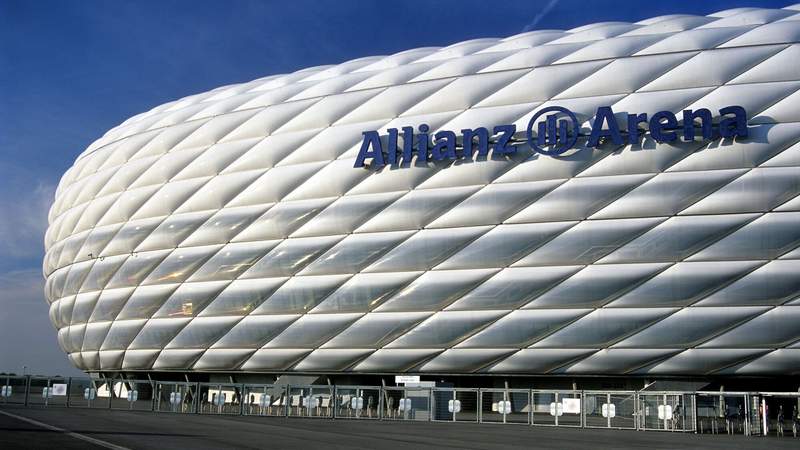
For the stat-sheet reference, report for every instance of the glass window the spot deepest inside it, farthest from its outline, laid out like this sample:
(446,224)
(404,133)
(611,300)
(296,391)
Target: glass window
(121,334)
(146,300)
(130,235)
(232,260)
(224,225)
(242,296)
(202,332)
(290,256)
(522,327)
(300,294)
(426,249)
(355,252)
(445,329)
(135,268)
(172,231)
(504,245)
(364,292)
(604,326)
(376,329)
(158,332)
(190,298)
(512,287)
(254,331)
(101,272)
(595,285)
(311,331)
(110,303)
(435,289)
(180,264)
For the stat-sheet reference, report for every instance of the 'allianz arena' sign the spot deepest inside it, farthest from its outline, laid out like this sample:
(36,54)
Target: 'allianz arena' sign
(555,134)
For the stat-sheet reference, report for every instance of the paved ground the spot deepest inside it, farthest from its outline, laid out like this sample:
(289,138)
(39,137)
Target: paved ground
(22,428)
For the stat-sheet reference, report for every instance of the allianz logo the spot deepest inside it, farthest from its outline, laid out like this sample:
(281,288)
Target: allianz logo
(551,131)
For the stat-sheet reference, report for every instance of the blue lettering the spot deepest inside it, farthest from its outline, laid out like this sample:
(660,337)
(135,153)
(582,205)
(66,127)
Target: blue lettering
(506,132)
(371,140)
(605,115)
(559,130)
(688,123)
(445,146)
(731,127)
(483,141)
(661,131)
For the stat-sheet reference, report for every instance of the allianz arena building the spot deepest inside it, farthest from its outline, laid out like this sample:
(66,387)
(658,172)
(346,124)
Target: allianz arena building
(337,222)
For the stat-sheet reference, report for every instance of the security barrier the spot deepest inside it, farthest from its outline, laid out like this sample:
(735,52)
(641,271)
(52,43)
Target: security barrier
(748,413)
(358,402)
(14,390)
(43,391)
(175,397)
(455,404)
(407,403)
(133,395)
(610,409)
(505,406)
(264,400)
(666,411)
(311,401)
(215,398)
(557,408)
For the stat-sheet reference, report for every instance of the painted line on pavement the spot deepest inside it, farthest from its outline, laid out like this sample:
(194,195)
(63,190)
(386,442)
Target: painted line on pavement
(67,432)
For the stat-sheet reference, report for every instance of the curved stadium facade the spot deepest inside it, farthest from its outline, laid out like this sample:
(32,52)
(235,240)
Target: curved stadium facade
(230,231)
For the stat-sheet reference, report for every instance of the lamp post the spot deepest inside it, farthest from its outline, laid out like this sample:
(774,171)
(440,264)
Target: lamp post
(24,370)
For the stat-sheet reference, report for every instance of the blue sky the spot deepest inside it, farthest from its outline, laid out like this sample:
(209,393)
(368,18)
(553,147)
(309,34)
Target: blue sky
(70,70)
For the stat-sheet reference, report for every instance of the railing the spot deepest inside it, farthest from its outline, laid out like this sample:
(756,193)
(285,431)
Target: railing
(674,411)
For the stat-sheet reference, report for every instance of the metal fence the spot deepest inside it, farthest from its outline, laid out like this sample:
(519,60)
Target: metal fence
(747,413)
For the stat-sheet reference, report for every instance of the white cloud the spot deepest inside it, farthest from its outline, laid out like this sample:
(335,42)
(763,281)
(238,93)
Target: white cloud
(540,15)
(23,221)
(27,338)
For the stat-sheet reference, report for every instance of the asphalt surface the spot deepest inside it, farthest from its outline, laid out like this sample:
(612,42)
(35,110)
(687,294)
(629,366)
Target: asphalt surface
(32,428)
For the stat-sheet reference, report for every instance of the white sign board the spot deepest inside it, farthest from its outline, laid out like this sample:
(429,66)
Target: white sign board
(406,379)
(571,405)
(556,409)
(609,410)
(664,412)
(59,389)
(404,405)
(454,406)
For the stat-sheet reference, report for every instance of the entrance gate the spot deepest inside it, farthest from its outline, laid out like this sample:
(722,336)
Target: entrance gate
(43,391)
(264,400)
(133,395)
(13,390)
(725,413)
(505,406)
(455,405)
(175,397)
(782,414)
(610,409)
(215,398)
(407,403)
(88,393)
(666,411)
(358,402)
(557,408)
(310,401)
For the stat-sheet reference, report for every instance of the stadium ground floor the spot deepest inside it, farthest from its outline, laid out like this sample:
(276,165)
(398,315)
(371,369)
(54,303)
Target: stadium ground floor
(734,406)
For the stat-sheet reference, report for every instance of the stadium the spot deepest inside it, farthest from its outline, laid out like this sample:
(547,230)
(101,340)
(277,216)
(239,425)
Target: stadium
(530,209)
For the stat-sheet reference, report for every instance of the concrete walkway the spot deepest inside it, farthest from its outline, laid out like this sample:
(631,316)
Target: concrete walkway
(32,428)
